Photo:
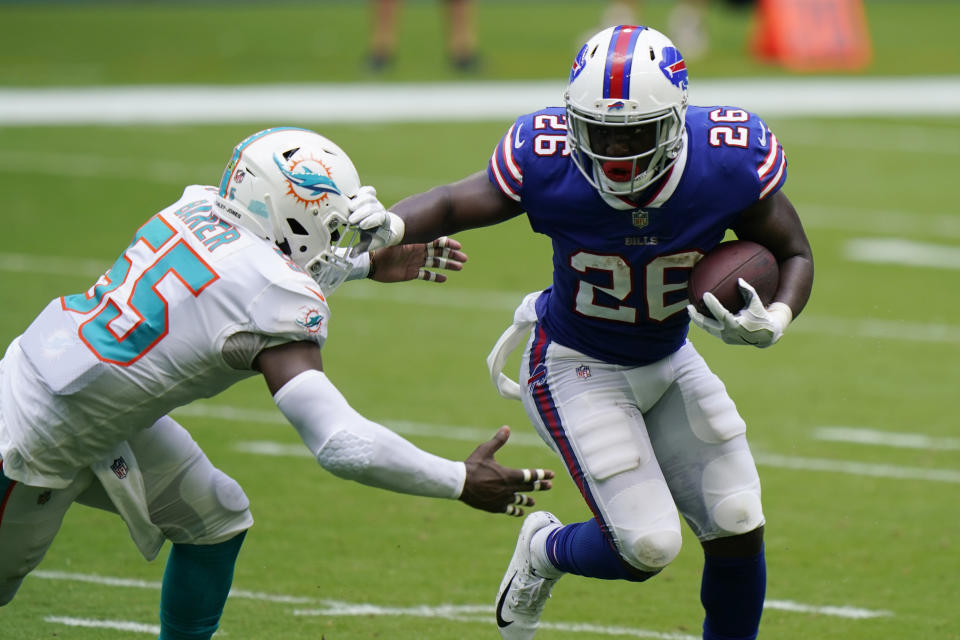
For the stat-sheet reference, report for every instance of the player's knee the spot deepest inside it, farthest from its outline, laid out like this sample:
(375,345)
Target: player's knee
(206,507)
(739,513)
(732,494)
(652,550)
(644,525)
(230,512)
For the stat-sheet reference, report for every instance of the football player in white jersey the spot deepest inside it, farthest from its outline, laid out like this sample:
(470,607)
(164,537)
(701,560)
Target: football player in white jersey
(633,186)
(221,285)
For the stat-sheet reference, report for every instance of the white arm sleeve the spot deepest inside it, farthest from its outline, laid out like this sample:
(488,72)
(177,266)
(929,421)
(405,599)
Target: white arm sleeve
(349,446)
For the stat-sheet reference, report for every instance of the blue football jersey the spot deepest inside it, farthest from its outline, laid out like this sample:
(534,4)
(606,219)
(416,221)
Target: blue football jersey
(620,268)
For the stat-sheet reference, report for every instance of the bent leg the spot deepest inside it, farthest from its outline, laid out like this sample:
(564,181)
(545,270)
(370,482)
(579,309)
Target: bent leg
(30,518)
(587,413)
(203,512)
(700,440)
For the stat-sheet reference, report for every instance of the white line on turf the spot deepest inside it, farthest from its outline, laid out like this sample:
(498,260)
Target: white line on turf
(502,301)
(898,251)
(860,435)
(116,625)
(476,434)
(279,449)
(462,613)
(445,102)
(858,468)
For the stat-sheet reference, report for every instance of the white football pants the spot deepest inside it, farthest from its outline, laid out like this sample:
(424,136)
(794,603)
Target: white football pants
(642,443)
(189,499)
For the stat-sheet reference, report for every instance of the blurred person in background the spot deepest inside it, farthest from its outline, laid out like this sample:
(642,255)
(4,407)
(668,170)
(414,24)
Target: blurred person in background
(686,21)
(633,187)
(461,36)
(222,285)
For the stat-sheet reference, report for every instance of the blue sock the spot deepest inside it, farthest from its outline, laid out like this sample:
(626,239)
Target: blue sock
(196,583)
(732,593)
(583,550)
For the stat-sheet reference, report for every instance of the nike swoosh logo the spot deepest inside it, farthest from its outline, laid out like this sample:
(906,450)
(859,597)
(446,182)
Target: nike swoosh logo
(516,137)
(763,137)
(503,598)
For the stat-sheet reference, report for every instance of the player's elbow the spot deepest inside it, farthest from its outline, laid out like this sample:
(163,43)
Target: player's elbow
(346,455)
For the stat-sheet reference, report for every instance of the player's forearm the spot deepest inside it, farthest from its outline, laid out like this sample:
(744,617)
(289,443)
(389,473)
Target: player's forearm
(354,448)
(796,282)
(427,215)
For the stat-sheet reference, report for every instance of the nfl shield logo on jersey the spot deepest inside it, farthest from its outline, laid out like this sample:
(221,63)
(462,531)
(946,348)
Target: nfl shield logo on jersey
(119,467)
(583,372)
(640,219)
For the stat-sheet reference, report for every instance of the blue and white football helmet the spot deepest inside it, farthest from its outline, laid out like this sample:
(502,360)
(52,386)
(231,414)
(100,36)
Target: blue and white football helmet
(290,186)
(626,101)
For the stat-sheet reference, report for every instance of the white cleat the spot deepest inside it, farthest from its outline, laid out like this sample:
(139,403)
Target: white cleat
(523,593)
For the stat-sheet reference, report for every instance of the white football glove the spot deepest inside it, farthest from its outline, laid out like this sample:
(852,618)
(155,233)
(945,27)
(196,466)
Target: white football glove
(378,227)
(754,324)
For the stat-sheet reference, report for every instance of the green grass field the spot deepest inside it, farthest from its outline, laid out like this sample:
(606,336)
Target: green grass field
(861,537)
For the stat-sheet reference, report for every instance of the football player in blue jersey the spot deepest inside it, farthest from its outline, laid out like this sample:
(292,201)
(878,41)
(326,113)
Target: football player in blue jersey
(633,187)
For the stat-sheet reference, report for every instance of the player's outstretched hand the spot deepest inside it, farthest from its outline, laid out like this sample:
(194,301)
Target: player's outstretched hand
(492,487)
(412,261)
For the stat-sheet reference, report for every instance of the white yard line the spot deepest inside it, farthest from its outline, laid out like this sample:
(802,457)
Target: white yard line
(858,435)
(471,613)
(901,252)
(476,434)
(115,625)
(439,102)
(850,467)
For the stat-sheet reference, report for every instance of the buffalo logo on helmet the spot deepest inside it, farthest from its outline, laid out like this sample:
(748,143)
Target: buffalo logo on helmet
(308,179)
(616,106)
(673,67)
(578,63)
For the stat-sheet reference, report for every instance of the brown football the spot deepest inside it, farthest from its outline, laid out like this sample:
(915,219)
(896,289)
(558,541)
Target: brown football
(718,271)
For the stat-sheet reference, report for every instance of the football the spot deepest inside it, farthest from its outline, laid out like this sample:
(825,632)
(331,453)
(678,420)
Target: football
(718,271)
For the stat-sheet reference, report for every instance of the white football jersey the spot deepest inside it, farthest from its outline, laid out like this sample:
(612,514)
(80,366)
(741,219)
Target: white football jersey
(160,329)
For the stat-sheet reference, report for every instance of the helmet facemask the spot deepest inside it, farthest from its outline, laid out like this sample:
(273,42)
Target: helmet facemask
(622,155)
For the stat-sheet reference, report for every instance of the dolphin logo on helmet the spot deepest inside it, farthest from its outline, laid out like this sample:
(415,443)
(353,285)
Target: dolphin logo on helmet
(302,177)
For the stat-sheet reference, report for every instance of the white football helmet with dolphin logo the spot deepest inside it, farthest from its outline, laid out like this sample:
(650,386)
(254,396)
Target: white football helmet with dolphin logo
(628,84)
(291,186)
